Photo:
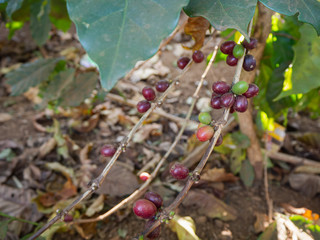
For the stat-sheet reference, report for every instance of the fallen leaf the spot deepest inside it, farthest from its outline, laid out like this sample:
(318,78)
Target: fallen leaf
(270,233)
(207,204)
(218,175)
(261,222)
(33,95)
(307,169)
(96,206)
(146,130)
(197,27)
(306,183)
(184,227)
(87,230)
(5,117)
(47,147)
(67,172)
(86,125)
(87,169)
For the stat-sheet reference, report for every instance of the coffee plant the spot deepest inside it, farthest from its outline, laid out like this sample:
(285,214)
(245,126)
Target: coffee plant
(118,33)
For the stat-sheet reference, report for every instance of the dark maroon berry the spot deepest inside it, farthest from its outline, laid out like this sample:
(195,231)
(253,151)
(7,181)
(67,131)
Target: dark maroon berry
(143,106)
(241,104)
(156,232)
(108,151)
(227,47)
(162,85)
(253,43)
(221,87)
(232,109)
(148,93)
(219,141)
(178,171)
(68,218)
(144,208)
(215,102)
(252,91)
(249,63)
(183,62)
(227,100)
(197,56)
(231,60)
(155,198)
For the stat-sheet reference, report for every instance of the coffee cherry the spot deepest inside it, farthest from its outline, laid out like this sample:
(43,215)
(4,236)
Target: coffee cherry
(238,51)
(252,91)
(205,133)
(148,93)
(220,87)
(108,151)
(227,47)
(183,62)
(205,118)
(219,141)
(144,176)
(162,85)
(201,125)
(143,106)
(68,218)
(231,60)
(215,102)
(178,171)
(240,87)
(155,198)
(156,232)
(197,56)
(227,100)
(249,63)
(253,43)
(241,104)
(144,208)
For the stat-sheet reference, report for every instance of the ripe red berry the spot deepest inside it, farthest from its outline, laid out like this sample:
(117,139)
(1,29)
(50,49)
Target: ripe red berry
(205,133)
(148,93)
(183,62)
(156,232)
(241,104)
(178,171)
(232,60)
(227,47)
(227,100)
(221,87)
(68,218)
(249,63)
(155,198)
(253,43)
(144,176)
(252,91)
(108,151)
(197,56)
(215,102)
(144,208)
(162,85)
(143,106)
(219,141)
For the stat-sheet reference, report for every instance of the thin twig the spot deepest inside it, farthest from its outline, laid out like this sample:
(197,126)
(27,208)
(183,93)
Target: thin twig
(266,184)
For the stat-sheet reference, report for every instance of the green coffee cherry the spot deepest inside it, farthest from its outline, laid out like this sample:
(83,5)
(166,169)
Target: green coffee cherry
(238,51)
(240,87)
(205,118)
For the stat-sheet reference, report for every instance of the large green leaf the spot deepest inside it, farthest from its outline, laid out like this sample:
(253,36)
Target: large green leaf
(223,14)
(30,74)
(309,10)
(305,69)
(118,33)
(39,21)
(13,5)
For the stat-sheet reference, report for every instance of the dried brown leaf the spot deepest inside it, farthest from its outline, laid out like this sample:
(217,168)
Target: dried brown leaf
(146,130)
(307,183)
(261,222)
(86,125)
(96,206)
(5,117)
(218,175)
(47,147)
(197,27)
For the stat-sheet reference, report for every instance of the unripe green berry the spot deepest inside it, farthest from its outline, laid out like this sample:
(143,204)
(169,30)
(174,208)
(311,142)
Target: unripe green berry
(240,87)
(238,51)
(205,118)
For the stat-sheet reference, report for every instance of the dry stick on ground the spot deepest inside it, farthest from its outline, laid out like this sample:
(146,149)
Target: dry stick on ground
(261,32)
(266,184)
(167,212)
(96,183)
(139,192)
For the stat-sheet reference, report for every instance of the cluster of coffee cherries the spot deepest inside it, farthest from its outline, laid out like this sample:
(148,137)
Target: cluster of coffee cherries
(150,95)
(205,130)
(236,51)
(147,208)
(197,57)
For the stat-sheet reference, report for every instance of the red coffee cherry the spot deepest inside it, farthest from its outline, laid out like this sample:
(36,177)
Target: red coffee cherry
(197,56)
(156,232)
(108,151)
(162,85)
(143,106)
(220,87)
(227,47)
(252,91)
(155,198)
(205,133)
(178,171)
(183,62)
(144,176)
(148,93)
(144,208)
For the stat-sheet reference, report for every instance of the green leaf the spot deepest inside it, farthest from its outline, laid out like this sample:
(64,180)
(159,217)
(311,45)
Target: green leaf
(39,21)
(13,5)
(223,14)
(240,139)
(30,75)
(59,15)
(247,173)
(270,233)
(118,33)
(308,10)
(4,228)
(305,69)
(7,154)
(79,89)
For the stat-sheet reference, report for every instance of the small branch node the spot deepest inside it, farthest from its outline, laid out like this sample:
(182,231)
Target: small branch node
(159,103)
(177,82)
(195,177)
